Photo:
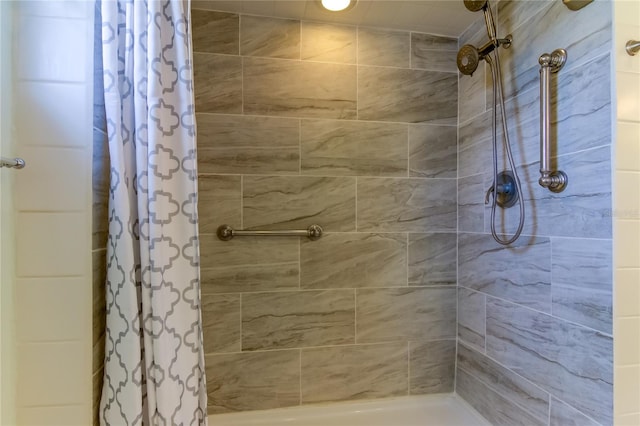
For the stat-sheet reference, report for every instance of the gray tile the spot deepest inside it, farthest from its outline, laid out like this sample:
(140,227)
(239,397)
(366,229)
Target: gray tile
(248,264)
(471,207)
(328,43)
(221,322)
(246,145)
(432,366)
(218,83)
(402,314)
(215,32)
(569,361)
(276,202)
(493,406)
(299,89)
(433,151)
(581,281)
(433,52)
(269,37)
(354,260)
(471,317)
(297,319)
(518,390)
(482,264)
(414,96)
(590,37)
(474,159)
(406,205)
(475,130)
(252,380)
(383,47)
(353,148)
(586,200)
(354,372)
(100,190)
(432,259)
(472,91)
(219,202)
(564,415)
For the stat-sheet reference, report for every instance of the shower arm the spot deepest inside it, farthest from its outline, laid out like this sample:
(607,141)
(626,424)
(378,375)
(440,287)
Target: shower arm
(555,181)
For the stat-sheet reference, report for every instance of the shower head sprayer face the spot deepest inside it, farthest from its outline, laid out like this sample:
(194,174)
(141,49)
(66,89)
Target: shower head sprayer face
(475,5)
(468,59)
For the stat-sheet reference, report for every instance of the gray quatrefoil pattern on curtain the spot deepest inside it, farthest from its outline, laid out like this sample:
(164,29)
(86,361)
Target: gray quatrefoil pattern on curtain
(154,362)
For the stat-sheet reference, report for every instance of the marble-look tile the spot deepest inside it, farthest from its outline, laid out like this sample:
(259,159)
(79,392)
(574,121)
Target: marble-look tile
(471,94)
(521,392)
(545,31)
(328,43)
(252,380)
(582,105)
(421,41)
(401,314)
(219,202)
(586,200)
(471,317)
(432,366)
(474,158)
(496,408)
(277,202)
(406,205)
(248,264)
(269,37)
(383,47)
(567,360)
(355,260)
(299,88)
(433,52)
(218,83)
(215,32)
(221,322)
(433,151)
(520,272)
(297,319)
(354,372)
(582,281)
(564,415)
(432,259)
(414,96)
(100,190)
(247,145)
(353,148)
(471,205)
(98,307)
(475,130)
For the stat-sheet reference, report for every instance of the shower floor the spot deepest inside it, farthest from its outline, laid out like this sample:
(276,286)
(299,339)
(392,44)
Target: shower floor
(430,410)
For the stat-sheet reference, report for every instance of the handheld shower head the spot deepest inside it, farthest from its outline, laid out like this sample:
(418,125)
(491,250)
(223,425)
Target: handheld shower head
(475,5)
(468,59)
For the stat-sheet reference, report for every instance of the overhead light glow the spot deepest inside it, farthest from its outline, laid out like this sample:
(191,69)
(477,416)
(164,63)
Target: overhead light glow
(336,5)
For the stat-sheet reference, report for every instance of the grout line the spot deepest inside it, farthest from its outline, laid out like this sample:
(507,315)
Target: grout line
(300,375)
(408,367)
(241,201)
(240,301)
(355,316)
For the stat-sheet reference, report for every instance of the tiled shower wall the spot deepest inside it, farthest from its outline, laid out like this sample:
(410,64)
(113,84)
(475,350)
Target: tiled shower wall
(353,129)
(535,319)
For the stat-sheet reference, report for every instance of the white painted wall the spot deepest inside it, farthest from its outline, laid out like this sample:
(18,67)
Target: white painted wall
(7,329)
(627,218)
(52,52)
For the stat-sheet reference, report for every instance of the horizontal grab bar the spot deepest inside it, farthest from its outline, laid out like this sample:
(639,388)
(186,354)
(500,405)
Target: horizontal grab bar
(226,232)
(12,163)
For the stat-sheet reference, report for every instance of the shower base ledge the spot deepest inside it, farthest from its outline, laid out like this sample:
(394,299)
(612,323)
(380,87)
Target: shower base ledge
(428,410)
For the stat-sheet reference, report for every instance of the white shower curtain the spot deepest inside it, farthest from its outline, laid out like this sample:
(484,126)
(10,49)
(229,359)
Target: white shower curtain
(154,363)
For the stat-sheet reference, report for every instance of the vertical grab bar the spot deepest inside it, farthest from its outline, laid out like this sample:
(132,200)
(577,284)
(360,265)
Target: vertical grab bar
(555,181)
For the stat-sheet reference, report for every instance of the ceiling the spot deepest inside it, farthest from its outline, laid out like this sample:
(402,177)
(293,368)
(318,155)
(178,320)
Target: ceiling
(443,17)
